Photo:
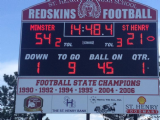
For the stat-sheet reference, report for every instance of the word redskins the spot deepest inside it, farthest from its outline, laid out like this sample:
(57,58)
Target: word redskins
(106,14)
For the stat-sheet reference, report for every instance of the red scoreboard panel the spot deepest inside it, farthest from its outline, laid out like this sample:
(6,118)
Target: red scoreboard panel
(89,49)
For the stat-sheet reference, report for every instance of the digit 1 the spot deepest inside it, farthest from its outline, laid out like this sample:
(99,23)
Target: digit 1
(38,67)
(72,65)
(71,29)
(141,36)
(143,67)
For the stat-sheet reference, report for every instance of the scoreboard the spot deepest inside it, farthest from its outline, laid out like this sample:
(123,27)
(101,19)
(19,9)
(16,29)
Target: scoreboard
(85,56)
(89,49)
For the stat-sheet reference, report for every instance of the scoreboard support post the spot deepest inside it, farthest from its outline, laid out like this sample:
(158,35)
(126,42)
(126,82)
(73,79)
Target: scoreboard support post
(40,116)
(87,116)
(135,117)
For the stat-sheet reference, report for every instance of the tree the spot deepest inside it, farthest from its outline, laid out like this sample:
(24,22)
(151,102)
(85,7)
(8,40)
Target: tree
(8,98)
(119,116)
(47,118)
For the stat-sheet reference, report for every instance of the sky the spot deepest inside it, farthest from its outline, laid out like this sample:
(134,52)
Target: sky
(10,27)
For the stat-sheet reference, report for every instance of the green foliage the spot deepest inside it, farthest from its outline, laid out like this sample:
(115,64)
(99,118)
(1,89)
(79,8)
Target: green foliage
(47,118)
(8,97)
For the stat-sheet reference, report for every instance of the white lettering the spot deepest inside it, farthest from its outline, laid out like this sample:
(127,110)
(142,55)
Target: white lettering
(37,13)
(118,14)
(143,13)
(31,13)
(111,13)
(131,13)
(149,13)
(56,13)
(105,13)
(50,15)
(124,13)
(66,13)
(43,13)
(73,14)
(138,13)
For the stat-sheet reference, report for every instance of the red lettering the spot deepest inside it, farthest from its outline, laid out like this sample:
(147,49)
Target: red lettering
(94,82)
(100,82)
(138,83)
(84,83)
(51,82)
(55,82)
(46,82)
(37,82)
(42,82)
(121,82)
(75,83)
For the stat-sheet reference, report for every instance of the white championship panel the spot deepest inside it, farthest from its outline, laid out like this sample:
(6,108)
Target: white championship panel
(66,86)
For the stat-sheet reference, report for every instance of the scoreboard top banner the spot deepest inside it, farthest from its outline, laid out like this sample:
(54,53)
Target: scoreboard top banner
(87,10)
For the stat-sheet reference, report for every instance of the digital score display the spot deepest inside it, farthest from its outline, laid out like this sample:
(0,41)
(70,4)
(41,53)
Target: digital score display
(88,49)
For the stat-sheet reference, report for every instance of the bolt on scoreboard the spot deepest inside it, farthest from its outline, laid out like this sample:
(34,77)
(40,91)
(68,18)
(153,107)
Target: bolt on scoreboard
(89,49)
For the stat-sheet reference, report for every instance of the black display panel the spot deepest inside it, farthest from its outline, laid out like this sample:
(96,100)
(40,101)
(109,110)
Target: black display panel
(88,49)
(48,62)
(58,35)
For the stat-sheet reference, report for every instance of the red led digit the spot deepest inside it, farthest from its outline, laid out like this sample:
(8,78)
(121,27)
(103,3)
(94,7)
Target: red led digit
(108,67)
(72,65)
(47,38)
(96,29)
(110,29)
(89,29)
(38,67)
(102,67)
(141,37)
(39,38)
(78,29)
(120,42)
(57,42)
(128,40)
(143,67)
(150,38)
(71,29)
